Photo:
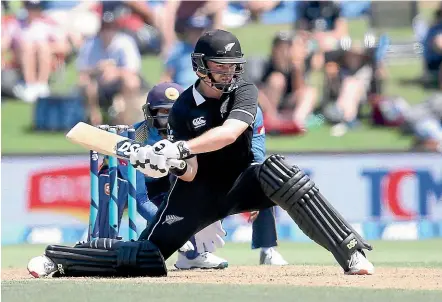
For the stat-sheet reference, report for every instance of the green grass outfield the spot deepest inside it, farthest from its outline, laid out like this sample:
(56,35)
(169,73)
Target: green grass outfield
(52,291)
(411,254)
(255,39)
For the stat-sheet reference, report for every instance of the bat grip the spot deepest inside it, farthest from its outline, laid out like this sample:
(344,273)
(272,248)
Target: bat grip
(176,163)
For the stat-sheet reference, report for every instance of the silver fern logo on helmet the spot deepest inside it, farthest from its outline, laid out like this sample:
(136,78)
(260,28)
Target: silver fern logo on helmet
(229,46)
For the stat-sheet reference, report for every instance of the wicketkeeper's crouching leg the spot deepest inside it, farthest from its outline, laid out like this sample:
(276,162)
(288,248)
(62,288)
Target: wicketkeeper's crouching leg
(291,189)
(101,257)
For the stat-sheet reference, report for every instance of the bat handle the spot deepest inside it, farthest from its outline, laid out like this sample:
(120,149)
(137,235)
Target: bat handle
(176,163)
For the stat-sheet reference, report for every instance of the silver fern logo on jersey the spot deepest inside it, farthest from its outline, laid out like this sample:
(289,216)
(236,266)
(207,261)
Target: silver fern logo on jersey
(170,219)
(223,109)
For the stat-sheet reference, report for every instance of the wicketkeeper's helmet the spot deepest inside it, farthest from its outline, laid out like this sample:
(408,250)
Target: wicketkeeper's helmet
(161,96)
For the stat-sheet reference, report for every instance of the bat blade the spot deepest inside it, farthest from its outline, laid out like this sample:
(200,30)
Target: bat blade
(93,138)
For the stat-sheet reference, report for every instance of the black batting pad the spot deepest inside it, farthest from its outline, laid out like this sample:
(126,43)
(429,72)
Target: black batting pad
(108,257)
(294,191)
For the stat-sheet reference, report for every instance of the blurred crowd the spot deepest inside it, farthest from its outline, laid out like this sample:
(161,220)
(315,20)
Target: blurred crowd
(108,39)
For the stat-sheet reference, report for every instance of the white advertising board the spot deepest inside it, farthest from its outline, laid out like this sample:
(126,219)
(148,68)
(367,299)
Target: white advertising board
(49,196)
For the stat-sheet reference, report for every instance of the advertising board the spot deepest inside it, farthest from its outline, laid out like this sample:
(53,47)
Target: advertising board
(385,196)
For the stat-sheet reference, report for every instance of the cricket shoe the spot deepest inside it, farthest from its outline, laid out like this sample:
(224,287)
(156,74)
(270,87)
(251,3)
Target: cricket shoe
(204,260)
(359,265)
(41,266)
(271,257)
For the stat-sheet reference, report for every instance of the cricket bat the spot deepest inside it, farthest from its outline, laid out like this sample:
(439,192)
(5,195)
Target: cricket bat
(107,143)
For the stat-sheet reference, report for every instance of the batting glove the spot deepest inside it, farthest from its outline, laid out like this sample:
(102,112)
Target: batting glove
(149,163)
(178,150)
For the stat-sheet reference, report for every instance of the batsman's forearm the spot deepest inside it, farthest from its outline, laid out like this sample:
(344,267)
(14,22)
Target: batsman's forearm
(214,139)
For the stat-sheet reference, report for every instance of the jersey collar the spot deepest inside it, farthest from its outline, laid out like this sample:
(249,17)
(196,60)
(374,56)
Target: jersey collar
(199,99)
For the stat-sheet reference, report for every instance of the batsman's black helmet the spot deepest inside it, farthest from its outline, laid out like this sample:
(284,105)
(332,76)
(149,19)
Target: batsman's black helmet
(221,47)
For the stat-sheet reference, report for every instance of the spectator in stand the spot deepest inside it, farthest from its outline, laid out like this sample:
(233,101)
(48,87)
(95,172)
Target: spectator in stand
(353,73)
(283,89)
(433,49)
(425,122)
(76,18)
(139,20)
(109,65)
(10,75)
(178,64)
(257,8)
(321,26)
(10,25)
(35,43)
(178,12)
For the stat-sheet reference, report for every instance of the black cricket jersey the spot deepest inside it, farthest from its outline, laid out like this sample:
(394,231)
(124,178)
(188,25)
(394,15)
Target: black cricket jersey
(193,114)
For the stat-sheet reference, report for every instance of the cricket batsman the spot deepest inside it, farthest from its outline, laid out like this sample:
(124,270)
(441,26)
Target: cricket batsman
(211,126)
(152,191)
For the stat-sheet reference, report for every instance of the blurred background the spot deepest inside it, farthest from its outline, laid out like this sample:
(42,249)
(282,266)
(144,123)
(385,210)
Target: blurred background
(350,90)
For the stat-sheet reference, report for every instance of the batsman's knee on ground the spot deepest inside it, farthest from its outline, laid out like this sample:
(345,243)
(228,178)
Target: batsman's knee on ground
(107,258)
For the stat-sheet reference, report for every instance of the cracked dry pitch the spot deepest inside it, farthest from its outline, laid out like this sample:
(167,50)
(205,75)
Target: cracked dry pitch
(399,278)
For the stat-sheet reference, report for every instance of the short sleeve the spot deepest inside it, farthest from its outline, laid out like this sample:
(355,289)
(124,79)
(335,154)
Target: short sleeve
(177,127)
(83,59)
(131,54)
(171,60)
(245,104)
